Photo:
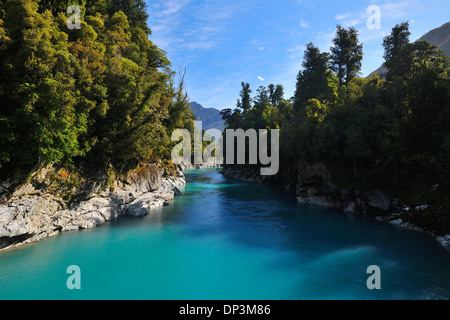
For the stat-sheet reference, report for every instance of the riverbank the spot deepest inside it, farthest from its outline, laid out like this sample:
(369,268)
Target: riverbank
(313,185)
(37,209)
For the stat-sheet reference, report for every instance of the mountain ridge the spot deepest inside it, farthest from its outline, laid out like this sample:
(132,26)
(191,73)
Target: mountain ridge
(211,118)
(439,37)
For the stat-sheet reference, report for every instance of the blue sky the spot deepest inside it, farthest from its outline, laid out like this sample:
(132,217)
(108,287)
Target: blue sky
(222,43)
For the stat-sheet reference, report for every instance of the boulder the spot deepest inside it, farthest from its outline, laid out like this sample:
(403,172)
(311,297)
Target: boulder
(140,207)
(177,192)
(147,179)
(379,199)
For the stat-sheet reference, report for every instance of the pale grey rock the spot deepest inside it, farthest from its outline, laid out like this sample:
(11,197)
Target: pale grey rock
(177,192)
(350,208)
(23,190)
(211,163)
(29,216)
(444,241)
(140,207)
(109,213)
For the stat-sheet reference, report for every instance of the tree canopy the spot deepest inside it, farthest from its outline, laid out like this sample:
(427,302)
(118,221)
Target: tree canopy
(346,54)
(101,95)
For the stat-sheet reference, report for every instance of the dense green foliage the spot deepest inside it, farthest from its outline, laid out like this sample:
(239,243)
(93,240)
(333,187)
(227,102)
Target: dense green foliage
(370,133)
(98,96)
(396,41)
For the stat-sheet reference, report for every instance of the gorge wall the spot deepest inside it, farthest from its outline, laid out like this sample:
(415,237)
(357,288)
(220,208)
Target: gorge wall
(34,211)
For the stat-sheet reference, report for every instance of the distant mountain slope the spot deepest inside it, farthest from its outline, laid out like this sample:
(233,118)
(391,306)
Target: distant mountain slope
(210,117)
(439,37)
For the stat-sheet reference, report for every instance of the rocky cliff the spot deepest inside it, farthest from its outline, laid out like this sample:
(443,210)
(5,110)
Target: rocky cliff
(314,186)
(36,210)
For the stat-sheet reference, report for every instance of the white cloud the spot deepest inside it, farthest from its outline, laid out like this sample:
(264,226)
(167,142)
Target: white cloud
(261,48)
(180,25)
(255,42)
(306,3)
(351,19)
(396,10)
(261,78)
(201,44)
(389,11)
(296,52)
(296,49)
(172,7)
(343,16)
(303,23)
(324,40)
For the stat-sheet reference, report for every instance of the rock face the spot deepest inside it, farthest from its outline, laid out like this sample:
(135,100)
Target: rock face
(31,214)
(314,186)
(247,174)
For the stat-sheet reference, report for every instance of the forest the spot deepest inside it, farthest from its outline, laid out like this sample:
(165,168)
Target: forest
(370,133)
(101,96)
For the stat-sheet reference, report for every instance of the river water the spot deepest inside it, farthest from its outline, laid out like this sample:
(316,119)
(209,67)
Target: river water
(229,240)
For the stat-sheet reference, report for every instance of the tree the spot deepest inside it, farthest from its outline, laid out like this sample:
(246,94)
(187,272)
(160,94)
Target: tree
(262,98)
(233,118)
(181,115)
(346,54)
(227,117)
(276,94)
(316,110)
(245,102)
(424,73)
(314,81)
(41,117)
(394,42)
(135,10)
(417,59)
(102,95)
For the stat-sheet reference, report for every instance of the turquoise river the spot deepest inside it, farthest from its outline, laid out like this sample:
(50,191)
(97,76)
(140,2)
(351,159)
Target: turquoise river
(229,240)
